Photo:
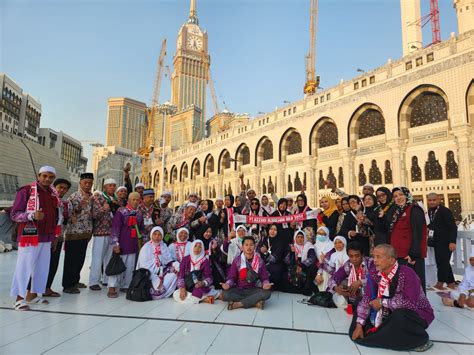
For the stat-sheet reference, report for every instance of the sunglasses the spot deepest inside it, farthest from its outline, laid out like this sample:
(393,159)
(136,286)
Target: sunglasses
(254,203)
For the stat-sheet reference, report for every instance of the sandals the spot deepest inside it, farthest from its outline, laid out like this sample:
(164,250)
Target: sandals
(21,306)
(260,305)
(230,306)
(38,300)
(95,288)
(52,294)
(112,294)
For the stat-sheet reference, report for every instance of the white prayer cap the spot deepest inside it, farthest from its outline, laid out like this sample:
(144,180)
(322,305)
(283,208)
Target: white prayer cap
(219,198)
(192,204)
(122,188)
(110,181)
(289,197)
(47,169)
(250,190)
(140,184)
(166,193)
(368,185)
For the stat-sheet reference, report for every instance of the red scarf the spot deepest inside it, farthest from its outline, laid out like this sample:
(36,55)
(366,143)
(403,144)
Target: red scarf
(132,221)
(383,285)
(180,249)
(243,265)
(355,275)
(157,253)
(230,218)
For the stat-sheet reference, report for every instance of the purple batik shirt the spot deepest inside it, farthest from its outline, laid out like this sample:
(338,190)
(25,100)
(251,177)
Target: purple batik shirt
(408,295)
(185,268)
(122,232)
(234,279)
(344,271)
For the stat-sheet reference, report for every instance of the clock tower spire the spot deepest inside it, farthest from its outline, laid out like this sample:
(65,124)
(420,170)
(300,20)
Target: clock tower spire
(192,13)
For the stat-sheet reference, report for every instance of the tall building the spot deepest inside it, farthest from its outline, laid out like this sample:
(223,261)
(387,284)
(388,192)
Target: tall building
(20,113)
(126,123)
(189,82)
(68,148)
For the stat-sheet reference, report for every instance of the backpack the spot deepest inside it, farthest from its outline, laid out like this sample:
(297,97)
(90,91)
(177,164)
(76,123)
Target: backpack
(139,289)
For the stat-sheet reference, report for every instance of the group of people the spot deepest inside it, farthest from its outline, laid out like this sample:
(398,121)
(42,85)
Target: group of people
(368,253)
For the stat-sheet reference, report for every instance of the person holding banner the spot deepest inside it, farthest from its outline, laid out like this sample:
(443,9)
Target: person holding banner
(284,229)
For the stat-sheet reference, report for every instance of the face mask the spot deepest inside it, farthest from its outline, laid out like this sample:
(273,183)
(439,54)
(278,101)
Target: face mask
(322,238)
(162,201)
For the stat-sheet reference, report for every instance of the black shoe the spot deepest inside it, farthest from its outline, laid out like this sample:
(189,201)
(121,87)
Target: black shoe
(80,285)
(422,348)
(95,288)
(71,290)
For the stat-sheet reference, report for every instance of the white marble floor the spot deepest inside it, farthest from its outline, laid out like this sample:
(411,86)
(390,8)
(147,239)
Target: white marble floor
(90,323)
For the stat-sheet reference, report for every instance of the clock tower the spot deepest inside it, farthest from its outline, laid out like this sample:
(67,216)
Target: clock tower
(191,70)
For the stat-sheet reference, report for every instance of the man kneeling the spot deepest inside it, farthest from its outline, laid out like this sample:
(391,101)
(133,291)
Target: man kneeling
(245,271)
(394,312)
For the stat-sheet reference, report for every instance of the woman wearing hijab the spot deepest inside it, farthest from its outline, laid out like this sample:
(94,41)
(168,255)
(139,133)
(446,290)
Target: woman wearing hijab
(227,216)
(284,229)
(233,245)
(267,209)
(257,230)
(216,258)
(195,277)
(339,256)
(408,232)
(204,218)
(345,208)
(350,227)
(302,206)
(324,249)
(273,250)
(155,256)
(301,263)
(330,215)
(180,248)
(366,220)
(386,208)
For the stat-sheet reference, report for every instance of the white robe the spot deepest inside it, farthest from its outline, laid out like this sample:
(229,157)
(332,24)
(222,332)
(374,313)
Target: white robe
(146,260)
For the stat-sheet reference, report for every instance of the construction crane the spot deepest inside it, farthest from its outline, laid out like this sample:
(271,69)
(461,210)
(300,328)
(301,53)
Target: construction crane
(312,80)
(215,104)
(433,17)
(152,111)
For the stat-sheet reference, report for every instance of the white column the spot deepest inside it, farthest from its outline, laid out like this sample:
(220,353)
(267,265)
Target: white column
(411,32)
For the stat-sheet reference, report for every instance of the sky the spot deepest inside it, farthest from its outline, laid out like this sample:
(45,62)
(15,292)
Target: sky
(74,54)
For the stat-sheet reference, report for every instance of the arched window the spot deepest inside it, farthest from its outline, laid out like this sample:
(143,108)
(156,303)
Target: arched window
(297,184)
(428,107)
(452,171)
(321,181)
(196,169)
(243,156)
(375,176)
(208,165)
(327,135)
(184,172)
(415,170)
(331,178)
(267,148)
(294,141)
(290,184)
(371,123)
(433,169)
(362,176)
(156,179)
(224,162)
(388,176)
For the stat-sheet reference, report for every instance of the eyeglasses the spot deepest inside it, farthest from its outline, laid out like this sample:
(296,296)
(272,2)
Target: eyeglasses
(254,203)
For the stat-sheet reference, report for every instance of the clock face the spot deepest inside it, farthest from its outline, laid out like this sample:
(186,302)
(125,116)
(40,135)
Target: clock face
(194,43)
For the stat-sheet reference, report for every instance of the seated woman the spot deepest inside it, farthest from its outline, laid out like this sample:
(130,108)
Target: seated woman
(180,248)
(246,272)
(216,258)
(348,281)
(273,250)
(195,277)
(394,311)
(301,262)
(155,256)
(324,249)
(464,296)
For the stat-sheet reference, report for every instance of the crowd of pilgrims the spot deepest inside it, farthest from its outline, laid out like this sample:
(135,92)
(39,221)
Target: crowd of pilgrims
(200,252)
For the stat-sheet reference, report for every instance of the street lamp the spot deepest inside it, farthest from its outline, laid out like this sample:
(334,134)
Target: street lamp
(360,70)
(166,109)
(286,102)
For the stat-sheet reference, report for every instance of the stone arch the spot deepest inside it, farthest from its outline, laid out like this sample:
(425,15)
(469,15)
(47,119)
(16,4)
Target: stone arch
(366,121)
(470,102)
(183,175)
(290,143)
(173,174)
(264,150)
(208,165)
(242,155)
(224,161)
(415,108)
(323,134)
(195,168)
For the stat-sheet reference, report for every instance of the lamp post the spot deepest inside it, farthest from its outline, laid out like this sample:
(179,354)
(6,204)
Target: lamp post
(165,109)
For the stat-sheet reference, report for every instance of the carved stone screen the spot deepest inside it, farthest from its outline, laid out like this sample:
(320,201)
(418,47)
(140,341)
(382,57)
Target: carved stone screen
(371,123)
(428,108)
(328,135)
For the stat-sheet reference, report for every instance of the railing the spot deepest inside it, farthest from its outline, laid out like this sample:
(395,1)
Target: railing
(463,251)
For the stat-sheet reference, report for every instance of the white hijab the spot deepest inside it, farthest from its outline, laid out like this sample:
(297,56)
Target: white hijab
(338,258)
(197,260)
(147,258)
(323,244)
(302,250)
